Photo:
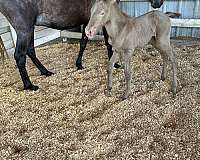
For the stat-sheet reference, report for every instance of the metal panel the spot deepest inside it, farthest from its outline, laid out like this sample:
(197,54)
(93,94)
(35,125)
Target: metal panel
(187,8)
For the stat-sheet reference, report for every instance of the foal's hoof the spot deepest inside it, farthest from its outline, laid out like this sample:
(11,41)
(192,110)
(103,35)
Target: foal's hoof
(117,65)
(31,88)
(107,93)
(163,78)
(174,93)
(124,97)
(48,74)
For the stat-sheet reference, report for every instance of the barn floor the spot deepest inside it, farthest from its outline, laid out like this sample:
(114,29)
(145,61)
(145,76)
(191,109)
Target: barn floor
(70,118)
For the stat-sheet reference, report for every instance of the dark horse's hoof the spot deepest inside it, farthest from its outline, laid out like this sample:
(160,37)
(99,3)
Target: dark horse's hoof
(80,67)
(48,74)
(117,65)
(31,88)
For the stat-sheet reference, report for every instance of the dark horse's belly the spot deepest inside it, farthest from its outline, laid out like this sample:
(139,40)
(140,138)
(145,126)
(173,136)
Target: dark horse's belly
(60,22)
(62,14)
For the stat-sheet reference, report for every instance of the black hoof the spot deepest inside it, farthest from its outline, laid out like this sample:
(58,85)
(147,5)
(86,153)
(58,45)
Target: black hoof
(117,65)
(48,74)
(80,67)
(32,88)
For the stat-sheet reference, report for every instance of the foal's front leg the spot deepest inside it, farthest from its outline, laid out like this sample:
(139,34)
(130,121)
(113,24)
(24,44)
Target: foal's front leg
(127,72)
(109,74)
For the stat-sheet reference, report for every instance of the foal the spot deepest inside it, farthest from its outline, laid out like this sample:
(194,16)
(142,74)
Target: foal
(127,33)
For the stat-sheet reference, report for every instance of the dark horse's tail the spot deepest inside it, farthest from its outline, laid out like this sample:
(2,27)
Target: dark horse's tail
(173,14)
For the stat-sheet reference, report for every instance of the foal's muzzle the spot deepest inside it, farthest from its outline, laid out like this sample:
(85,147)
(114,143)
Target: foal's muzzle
(90,32)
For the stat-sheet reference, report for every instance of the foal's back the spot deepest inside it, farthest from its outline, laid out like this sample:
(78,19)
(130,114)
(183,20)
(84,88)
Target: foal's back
(141,29)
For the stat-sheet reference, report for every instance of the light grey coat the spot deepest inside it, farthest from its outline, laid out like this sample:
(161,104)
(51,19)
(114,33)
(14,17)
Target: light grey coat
(126,33)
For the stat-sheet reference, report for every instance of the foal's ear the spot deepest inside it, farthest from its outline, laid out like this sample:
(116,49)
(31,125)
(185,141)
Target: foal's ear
(114,1)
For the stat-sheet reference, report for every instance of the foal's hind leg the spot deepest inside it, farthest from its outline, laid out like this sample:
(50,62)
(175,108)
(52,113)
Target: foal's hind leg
(164,66)
(172,58)
(32,55)
(83,44)
(168,53)
(23,40)
(127,72)
(164,56)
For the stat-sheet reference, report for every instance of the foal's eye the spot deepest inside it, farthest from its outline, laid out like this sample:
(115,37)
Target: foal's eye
(102,13)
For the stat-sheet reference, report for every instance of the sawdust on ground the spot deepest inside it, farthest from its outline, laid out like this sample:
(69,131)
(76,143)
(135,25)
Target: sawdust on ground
(70,118)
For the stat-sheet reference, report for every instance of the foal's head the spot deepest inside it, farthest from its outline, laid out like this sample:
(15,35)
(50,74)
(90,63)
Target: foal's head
(156,3)
(100,13)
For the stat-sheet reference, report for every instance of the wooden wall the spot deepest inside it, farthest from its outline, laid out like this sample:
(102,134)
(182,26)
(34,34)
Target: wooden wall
(6,34)
(187,25)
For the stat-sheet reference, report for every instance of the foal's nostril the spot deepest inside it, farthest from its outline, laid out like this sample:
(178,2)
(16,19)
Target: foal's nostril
(88,33)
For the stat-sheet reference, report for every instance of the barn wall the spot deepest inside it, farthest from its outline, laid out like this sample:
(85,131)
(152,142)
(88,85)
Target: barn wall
(41,36)
(190,9)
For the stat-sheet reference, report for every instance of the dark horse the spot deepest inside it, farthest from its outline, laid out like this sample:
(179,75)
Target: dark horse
(61,14)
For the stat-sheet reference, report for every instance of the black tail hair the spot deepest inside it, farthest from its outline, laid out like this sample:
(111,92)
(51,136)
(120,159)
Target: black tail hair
(173,14)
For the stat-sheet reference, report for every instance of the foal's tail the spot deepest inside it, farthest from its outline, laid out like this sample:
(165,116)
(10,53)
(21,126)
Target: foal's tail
(173,14)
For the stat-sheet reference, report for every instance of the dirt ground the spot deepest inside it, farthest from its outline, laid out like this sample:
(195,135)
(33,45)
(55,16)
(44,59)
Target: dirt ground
(69,117)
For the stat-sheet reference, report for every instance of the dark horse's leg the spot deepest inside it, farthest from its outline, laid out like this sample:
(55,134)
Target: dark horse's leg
(35,60)
(83,44)
(109,47)
(23,40)
(25,45)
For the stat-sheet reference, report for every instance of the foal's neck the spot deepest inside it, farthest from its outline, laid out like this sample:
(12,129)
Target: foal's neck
(116,13)
(117,20)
